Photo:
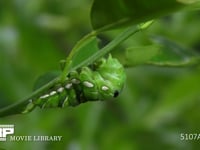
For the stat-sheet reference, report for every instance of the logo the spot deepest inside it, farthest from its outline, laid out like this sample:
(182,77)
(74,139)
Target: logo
(6,130)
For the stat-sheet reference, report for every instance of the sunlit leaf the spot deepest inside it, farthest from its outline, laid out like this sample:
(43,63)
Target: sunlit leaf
(188,1)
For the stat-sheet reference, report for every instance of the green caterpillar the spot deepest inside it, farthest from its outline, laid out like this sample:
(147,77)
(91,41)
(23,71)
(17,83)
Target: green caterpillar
(100,81)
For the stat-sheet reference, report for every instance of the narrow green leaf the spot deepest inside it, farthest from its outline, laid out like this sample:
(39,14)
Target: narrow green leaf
(117,13)
(110,46)
(146,24)
(86,50)
(83,49)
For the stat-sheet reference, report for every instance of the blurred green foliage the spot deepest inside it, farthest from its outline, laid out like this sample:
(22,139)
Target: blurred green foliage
(156,105)
(112,13)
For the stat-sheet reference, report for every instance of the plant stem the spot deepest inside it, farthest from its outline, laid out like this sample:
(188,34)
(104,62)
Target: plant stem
(110,46)
(75,50)
(21,106)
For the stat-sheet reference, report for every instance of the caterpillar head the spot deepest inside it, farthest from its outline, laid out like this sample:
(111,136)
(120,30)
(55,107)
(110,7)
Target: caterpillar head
(112,77)
(102,81)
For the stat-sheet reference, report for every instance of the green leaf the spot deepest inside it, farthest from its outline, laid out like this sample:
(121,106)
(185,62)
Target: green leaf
(83,50)
(117,13)
(44,79)
(140,55)
(162,53)
(172,54)
(86,50)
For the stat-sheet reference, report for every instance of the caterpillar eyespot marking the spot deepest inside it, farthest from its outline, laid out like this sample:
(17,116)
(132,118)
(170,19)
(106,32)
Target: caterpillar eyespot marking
(60,90)
(99,81)
(104,88)
(52,93)
(44,96)
(88,84)
(68,86)
(75,81)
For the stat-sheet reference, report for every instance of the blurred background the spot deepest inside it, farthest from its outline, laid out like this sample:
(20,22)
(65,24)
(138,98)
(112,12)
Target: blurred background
(155,107)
